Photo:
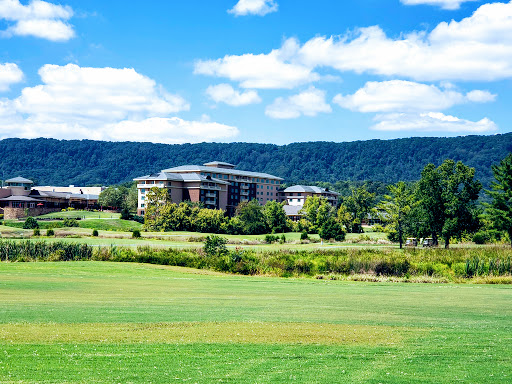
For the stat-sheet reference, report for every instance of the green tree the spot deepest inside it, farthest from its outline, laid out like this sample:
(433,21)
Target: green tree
(397,207)
(112,197)
(331,229)
(275,216)
(359,204)
(252,218)
(210,220)
(158,208)
(500,209)
(316,211)
(447,196)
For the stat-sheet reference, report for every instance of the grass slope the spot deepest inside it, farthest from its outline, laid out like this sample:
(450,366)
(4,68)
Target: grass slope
(98,322)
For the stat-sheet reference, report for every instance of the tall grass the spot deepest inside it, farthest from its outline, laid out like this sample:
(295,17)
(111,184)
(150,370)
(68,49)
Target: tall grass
(438,263)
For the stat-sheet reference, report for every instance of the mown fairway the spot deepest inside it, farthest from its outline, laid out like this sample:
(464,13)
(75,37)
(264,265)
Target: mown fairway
(92,322)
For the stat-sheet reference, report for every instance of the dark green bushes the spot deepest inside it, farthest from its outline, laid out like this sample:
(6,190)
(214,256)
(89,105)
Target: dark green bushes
(30,223)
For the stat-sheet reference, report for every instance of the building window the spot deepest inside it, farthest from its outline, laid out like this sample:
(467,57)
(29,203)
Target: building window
(142,205)
(142,190)
(142,213)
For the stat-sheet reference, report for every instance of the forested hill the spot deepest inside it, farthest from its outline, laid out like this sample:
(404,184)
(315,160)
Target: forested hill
(86,162)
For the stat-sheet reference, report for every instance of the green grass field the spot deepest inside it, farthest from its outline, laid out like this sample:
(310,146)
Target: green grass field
(93,322)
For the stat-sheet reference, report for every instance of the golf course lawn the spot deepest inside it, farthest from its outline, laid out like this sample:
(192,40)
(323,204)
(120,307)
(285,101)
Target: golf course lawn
(95,322)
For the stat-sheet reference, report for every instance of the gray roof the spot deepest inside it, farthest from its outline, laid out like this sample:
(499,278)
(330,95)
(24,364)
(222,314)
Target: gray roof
(183,177)
(235,172)
(161,176)
(213,163)
(19,179)
(67,196)
(292,210)
(21,198)
(308,188)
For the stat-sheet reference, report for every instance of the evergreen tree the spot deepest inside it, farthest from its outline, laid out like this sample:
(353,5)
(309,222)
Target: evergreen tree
(500,209)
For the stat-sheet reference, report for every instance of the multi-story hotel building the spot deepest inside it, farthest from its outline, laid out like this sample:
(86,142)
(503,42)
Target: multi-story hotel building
(217,185)
(295,197)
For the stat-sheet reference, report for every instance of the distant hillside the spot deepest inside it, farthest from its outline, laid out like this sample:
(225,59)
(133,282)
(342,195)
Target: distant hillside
(86,162)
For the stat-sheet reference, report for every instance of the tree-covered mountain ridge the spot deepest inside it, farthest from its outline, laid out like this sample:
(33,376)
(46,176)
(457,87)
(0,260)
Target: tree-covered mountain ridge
(88,162)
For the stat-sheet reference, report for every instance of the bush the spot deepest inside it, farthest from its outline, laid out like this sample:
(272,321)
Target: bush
(489,236)
(70,223)
(1,216)
(269,239)
(95,232)
(282,240)
(30,223)
(50,232)
(331,229)
(138,219)
(304,235)
(37,232)
(215,245)
(125,214)
(136,234)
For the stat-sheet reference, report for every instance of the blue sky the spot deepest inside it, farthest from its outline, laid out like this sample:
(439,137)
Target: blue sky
(272,71)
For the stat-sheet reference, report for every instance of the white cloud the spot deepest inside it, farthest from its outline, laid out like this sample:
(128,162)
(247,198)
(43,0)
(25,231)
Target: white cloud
(173,130)
(254,7)
(403,96)
(270,71)
(445,4)
(102,104)
(9,74)
(308,103)
(478,96)
(224,93)
(38,18)
(477,48)
(431,122)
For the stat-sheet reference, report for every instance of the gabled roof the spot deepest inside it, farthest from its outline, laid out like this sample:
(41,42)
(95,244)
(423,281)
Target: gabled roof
(19,179)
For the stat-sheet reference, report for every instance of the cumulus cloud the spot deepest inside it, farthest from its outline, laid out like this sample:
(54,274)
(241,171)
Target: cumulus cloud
(9,74)
(102,104)
(478,96)
(224,93)
(476,48)
(431,122)
(402,96)
(308,103)
(445,4)
(254,7)
(38,18)
(263,71)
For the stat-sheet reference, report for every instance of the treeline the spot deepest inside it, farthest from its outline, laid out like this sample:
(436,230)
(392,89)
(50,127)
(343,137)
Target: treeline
(86,162)
(493,264)
(441,205)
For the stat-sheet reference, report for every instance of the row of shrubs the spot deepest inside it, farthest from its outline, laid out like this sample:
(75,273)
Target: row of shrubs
(460,263)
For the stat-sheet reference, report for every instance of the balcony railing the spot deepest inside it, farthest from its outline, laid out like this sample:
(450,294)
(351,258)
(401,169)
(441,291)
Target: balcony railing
(244,193)
(210,202)
(212,195)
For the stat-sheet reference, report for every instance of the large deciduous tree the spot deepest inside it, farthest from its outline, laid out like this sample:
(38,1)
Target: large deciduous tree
(275,216)
(500,209)
(397,208)
(447,196)
(358,205)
